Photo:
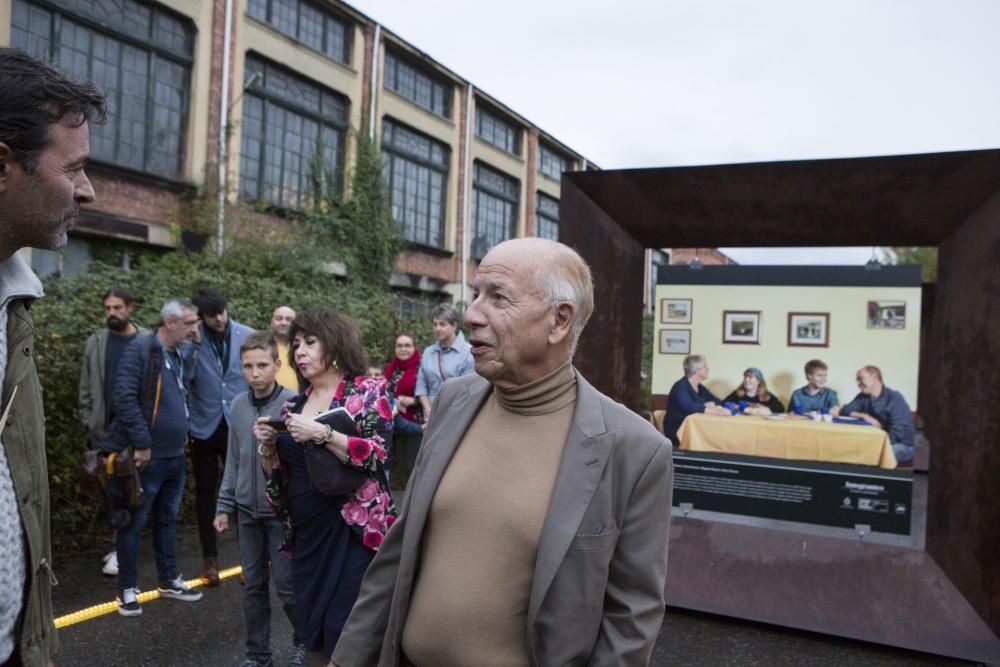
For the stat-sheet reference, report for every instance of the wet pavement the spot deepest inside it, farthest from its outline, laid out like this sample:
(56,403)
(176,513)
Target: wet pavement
(210,632)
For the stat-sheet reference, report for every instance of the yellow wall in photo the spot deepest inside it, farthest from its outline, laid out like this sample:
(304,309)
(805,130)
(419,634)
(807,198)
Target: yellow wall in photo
(852,343)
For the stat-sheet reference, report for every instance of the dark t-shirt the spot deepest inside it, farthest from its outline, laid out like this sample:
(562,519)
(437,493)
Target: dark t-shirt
(112,355)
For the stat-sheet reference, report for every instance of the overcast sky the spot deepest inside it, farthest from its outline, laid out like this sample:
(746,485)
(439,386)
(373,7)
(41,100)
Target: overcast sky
(664,82)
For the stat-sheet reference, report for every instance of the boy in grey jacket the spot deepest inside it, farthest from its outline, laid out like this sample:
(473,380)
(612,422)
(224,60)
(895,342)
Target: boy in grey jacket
(242,493)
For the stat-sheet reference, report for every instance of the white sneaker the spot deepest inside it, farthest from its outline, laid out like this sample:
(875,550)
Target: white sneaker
(110,564)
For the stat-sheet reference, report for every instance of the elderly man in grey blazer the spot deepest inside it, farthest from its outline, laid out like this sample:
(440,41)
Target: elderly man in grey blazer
(534,528)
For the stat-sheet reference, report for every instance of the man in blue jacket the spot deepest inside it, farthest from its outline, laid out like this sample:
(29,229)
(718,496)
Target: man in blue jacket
(886,408)
(217,381)
(150,404)
(689,395)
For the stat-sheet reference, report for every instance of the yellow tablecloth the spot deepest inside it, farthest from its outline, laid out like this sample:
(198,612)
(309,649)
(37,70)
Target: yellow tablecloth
(798,439)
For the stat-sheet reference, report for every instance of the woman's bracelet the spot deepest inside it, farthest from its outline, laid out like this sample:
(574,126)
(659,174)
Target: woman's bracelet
(262,452)
(327,437)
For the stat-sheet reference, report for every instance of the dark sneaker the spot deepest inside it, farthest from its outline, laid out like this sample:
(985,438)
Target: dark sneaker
(128,602)
(178,590)
(299,658)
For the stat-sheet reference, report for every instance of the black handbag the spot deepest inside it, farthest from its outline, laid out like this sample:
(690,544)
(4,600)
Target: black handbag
(327,474)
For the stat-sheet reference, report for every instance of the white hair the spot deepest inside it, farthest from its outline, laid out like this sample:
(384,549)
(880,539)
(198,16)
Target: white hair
(693,363)
(174,309)
(567,278)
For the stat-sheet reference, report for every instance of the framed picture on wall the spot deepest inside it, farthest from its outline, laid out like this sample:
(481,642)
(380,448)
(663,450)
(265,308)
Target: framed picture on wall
(741,326)
(675,341)
(809,329)
(675,311)
(886,314)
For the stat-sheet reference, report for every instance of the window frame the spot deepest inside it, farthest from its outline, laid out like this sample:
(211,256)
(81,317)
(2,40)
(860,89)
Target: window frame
(484,111)
(541,214)
(544,147)
(268,97)
(328,16)
(60,13)
(480,188)
(396,151)
(401,59)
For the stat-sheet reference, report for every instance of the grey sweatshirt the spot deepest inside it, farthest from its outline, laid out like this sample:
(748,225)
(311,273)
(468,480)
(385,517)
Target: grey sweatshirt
(243,480)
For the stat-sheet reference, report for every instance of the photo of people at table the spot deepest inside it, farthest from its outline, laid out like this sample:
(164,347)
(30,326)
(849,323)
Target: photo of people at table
(816,426)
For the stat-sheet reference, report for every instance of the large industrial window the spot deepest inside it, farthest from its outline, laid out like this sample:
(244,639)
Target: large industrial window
(416,85)
(308,23)
(293,136)
(416,170)
(547,217)
(551,163)
(493,128)
(495,201)
(139,54)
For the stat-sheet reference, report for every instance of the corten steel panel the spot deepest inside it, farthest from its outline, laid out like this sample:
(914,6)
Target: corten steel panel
(610,350)
(851,588)
(895,200)
(963,508)
(912,199)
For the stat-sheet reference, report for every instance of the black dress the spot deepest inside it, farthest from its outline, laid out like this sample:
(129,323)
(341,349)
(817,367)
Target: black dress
(329,555)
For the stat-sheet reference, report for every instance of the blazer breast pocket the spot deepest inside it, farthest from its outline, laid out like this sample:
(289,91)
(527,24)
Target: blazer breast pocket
(592,542)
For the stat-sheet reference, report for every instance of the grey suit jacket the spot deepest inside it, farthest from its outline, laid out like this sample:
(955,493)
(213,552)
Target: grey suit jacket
(597,595)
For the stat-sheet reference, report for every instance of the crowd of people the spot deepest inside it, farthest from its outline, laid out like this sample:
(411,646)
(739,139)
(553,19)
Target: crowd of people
(875,403)
(200,384)
(537,516)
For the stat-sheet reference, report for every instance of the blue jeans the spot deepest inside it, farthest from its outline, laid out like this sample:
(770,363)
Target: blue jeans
(162,485)
(259,555)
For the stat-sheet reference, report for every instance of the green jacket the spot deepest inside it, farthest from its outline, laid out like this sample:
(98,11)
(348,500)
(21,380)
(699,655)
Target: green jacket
(24,440)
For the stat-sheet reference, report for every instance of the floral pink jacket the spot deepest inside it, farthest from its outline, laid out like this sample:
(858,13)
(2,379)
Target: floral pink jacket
(369,510)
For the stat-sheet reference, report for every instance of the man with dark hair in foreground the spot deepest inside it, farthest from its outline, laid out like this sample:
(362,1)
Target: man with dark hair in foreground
(44,147)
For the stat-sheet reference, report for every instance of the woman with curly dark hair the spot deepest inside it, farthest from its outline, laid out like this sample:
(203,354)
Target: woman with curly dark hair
(333,537)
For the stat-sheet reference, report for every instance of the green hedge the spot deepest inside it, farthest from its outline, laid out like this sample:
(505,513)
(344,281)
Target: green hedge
(254,282)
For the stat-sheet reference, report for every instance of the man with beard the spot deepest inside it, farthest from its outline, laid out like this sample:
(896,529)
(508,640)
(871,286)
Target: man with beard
(44,148)
(100,368)
(218,379)
(281,323)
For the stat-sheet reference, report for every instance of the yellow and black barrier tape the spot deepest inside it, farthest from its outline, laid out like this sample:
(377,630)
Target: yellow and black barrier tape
(111,607)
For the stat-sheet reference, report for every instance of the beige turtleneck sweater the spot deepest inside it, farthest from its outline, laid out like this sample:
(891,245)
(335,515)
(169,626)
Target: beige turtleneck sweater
(470,597)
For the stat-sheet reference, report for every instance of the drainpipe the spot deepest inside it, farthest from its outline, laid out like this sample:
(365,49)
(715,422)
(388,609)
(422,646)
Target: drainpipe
(223,126)
(467,197)
(374,82)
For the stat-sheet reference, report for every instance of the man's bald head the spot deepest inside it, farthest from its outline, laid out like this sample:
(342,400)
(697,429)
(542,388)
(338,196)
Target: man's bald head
(281,321)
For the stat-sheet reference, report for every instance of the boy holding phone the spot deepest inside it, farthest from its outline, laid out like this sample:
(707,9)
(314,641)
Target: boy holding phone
(242,493)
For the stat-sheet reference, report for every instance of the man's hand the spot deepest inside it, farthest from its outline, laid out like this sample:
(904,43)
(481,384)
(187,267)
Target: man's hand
(141,457)
(221,523)
(716,410)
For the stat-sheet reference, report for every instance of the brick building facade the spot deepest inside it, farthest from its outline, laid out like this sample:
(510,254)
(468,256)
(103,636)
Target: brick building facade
(464,171)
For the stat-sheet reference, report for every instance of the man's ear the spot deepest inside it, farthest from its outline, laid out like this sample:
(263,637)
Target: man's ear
(6,165)
(562,321)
